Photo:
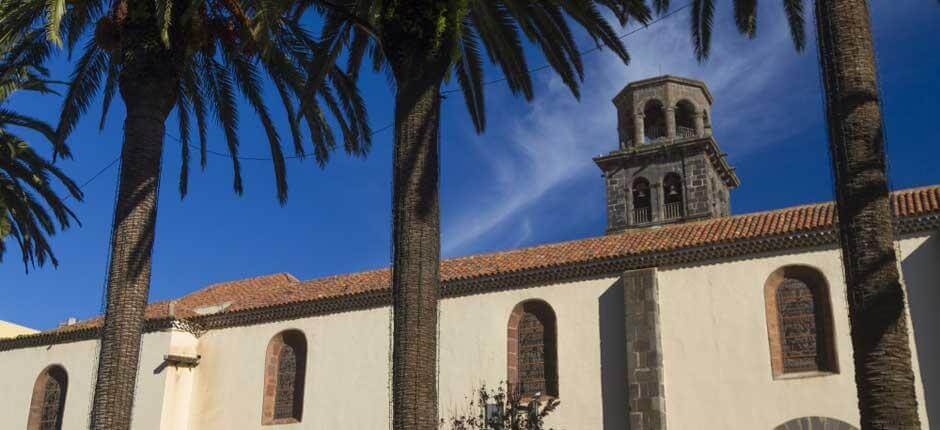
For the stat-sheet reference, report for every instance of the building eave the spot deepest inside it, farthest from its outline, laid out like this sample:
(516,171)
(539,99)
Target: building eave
(591,269)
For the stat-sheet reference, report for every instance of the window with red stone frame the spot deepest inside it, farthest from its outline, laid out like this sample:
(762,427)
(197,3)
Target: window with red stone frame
(284,374)
(799,323)
(48,400)
(532,352)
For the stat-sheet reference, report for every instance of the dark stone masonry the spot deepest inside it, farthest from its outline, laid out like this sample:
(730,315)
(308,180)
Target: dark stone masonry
(646,394)
(668,167)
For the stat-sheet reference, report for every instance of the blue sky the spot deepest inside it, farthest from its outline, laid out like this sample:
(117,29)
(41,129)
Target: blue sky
(528,180)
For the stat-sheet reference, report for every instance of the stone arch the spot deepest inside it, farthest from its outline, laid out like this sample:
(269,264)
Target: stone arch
(654,120)
(686,112)
(285,368)
(47,405)
(532,350)
(673,201)
(799,322)
(642,199)
(815,423)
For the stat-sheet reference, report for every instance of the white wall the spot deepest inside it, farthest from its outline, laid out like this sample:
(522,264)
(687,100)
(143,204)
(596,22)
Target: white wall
(716,351)
(473,349)
(921,264)
(346,379)
(20,368)
(347,365)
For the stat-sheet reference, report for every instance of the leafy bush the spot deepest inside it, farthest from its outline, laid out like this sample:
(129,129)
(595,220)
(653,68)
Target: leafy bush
(502,409)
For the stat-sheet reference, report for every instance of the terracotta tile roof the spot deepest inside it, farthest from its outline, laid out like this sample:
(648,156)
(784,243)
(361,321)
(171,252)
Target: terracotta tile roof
(284,288)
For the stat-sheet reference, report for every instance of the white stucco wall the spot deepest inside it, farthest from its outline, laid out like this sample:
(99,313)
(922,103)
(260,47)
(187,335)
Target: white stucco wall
(20,368)
(715,351)
(921,264)
(346,380)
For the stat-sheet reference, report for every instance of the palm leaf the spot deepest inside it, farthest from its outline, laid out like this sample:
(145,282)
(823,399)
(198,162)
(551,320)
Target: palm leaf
(745,17)
(794,12)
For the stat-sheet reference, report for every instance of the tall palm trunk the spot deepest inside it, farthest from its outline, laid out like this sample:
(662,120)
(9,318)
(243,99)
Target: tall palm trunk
(877,309)
(416,259)
(149,101)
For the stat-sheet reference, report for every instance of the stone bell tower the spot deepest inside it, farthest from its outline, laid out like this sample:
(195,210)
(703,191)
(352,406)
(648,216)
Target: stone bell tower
(668,168)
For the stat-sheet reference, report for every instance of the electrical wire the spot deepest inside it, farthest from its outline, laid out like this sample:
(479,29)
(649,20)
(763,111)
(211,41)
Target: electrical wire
(388,126)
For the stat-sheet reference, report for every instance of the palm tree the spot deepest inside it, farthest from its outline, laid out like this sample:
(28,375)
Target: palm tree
(421,44)
(197,57)
(877,310)
(29,206)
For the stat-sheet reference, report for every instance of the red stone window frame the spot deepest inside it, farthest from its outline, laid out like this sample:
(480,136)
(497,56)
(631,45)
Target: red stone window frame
(544,315)
(286,345)
(47,405)
(791,277)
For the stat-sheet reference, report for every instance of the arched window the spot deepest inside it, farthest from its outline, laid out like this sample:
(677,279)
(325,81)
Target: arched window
(48,402)
(672,196)
(799,322)
(815,423)
(654,120)
(685,119)
(532,357)
(284,372)
(642,201)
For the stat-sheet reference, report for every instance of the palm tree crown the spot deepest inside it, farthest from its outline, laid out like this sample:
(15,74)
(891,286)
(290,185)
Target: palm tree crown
(220,50)
(467,33)
(29,206)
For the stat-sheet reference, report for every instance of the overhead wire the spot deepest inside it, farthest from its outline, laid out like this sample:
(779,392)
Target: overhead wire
(388,126)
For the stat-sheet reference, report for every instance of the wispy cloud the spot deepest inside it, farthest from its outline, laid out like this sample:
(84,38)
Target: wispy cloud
(554,139)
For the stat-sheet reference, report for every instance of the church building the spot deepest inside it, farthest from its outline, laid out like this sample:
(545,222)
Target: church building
(680,315)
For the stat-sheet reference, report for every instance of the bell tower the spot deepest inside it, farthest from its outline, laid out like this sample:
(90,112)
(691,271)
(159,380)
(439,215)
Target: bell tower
(668,167)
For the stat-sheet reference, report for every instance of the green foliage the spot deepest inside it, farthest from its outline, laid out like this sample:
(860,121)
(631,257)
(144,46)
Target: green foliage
(745,18)
(30,209)
(216,52)
(500,409)
(394,34)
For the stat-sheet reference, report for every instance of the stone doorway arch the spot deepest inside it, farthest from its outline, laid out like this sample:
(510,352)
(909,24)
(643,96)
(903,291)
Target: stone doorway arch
(815,423)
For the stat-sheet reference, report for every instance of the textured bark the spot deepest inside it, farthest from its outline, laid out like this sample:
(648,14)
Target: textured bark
(148,102)
(877,309)
(416,255)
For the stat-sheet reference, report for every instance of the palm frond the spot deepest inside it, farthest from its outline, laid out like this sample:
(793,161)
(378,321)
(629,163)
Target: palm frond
(794,12)
(745,17)
(248,79)
(703,12)
(164,13)
(83,87)
(55,10)
(183,120)
(469,70)
(220,85)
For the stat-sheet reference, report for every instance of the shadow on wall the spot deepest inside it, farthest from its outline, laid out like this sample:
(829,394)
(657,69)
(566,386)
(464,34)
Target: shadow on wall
(923,288)
(613,357)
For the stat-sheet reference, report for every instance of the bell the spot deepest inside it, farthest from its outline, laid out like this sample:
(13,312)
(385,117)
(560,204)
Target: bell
(640,193)
(673,191)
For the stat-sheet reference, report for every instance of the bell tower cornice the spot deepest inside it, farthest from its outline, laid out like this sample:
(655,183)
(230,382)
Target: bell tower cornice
(668,167)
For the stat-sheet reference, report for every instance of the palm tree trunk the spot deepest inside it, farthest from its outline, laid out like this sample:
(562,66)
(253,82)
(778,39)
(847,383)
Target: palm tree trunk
(416,255)
(148,103)
(877,308)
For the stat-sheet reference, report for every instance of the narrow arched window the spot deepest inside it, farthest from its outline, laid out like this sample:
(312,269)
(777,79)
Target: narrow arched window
(284,375)
(642,201)
(48,401)
(654,120)
(673,207)
(532,351)
(685,119)
(799,322)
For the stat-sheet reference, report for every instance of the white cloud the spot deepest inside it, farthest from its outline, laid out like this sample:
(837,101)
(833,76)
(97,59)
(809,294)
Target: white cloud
(555,138)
